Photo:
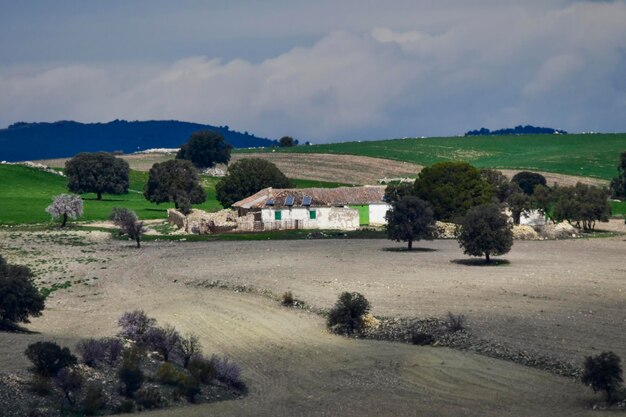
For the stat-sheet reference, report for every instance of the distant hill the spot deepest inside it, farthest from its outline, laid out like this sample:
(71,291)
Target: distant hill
(28,141)
(517,130)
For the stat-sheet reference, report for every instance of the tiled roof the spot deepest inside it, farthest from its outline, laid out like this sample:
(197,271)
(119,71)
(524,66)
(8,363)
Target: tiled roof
(320,197)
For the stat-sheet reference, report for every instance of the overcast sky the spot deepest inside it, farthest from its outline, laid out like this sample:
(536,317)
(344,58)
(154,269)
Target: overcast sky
(319,70)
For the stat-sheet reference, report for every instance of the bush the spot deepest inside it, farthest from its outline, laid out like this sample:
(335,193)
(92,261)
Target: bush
(114,348)
(130,373)
(422,339)
(92,351)
(49,358)
(346,317)
(456,322)
(70,382)
(226,371)
(126,406)
(202,370)
(190,388)
(604,373)
(287,298)
(19,297)
(168,374)
(94,400)
(40,385)
(150,398)
(135,325)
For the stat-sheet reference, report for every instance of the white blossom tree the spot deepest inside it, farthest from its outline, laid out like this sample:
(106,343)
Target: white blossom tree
(66,206)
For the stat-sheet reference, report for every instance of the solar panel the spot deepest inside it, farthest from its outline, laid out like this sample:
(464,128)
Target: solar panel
(270,202)
(306,201)
(289,200)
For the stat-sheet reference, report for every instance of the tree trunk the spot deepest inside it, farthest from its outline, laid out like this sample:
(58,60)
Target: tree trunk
(487,257)
(410,243)
(64,220)
(99,195)
(137,239)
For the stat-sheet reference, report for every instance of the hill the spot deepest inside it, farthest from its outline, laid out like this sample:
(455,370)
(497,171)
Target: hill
(28,141)
(586,155)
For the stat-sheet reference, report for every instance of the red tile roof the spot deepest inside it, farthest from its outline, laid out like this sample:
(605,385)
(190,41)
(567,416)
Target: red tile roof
(320,197)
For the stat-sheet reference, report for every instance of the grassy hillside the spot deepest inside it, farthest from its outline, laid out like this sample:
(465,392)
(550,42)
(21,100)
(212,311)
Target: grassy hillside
(26,192)
(594,155)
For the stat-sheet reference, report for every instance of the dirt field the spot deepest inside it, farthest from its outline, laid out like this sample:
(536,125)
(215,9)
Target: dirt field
(559,297)
(334,168)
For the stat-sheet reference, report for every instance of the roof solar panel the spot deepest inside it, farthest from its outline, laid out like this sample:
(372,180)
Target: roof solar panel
(270,202)
(306,201)
(289,200)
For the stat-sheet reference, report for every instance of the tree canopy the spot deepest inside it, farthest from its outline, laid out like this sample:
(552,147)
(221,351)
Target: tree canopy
(66,206)
(287,142)
(205,149)
(410,219)
(603,373)
(175,181)
(581,205)
(618,183)
(485,230)
(97,172)
(527,181)
(452,188)
(19,298)
(248,176)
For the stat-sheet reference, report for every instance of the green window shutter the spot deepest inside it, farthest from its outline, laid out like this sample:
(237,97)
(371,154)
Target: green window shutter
(312,214)
(278,215)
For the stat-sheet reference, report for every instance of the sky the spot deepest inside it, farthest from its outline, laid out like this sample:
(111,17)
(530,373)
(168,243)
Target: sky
(322,71)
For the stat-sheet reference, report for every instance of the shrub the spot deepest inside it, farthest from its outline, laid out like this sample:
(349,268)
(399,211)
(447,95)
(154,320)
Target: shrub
(92,351)
(130,373)
(188,347)
(135,324)
(603,373)
(150,398)
(49,358)
(190,388)
(128,222)
(94,400)
(70,382)
(226,371)
(114,348)
(163,340)
(168,374)
(346,317)
(422,339)
(202,370)
(126,406)
(287,298)
(19,297)
(455,322)
(40,385)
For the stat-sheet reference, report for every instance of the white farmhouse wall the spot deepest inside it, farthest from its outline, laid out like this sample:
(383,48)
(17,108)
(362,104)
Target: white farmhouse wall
(337,218)
(329,218)
(377,214)
(532,218)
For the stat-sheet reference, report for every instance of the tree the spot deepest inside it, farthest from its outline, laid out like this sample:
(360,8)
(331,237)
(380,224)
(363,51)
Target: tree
(188,348)
(128,223)
(163,340)
(618,183)
(542,199)
(205,149)
(70,381)
(409,219)
(174,181)
(603,373)
(581,205)
(286,142)
(452,188)
(248,176)
(19,298)
(394,192)
(500,184)
(528,181)
(66,206)
(347,314)
(518,202)
(97,172)
(49,358)
(485,230)
(135,325)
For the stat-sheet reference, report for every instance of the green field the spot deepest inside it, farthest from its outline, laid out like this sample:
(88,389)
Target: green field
(618,208)
(26,192)
(593,155)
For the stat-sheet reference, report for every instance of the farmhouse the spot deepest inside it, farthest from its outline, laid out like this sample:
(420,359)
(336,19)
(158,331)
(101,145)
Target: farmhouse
(343,208)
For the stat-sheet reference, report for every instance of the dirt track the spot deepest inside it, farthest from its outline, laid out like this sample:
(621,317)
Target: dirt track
(564,296)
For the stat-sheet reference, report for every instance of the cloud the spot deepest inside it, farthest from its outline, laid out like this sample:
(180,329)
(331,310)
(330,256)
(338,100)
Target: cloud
(561,67)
